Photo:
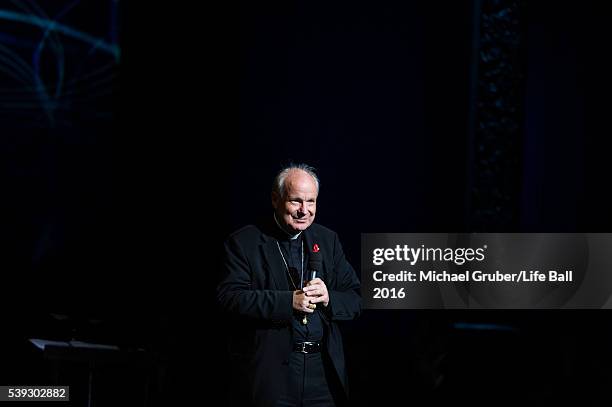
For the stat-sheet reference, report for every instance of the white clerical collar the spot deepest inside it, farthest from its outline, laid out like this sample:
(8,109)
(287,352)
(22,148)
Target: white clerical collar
(292,237)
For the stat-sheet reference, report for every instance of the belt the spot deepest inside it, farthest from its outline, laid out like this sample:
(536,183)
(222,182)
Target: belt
(307,347)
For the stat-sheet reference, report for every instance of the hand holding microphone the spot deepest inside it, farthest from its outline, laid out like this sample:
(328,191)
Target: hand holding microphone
(316,288)
(301,302)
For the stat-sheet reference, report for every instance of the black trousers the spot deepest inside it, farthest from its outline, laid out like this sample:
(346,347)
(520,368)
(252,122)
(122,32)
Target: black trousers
(308,384)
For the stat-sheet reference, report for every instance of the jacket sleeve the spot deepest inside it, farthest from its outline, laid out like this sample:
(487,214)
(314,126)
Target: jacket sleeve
(236,295)
(344,297)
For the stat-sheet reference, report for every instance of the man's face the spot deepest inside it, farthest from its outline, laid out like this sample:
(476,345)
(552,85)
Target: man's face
(295,211)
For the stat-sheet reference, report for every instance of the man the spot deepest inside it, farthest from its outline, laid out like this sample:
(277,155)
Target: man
(285,346)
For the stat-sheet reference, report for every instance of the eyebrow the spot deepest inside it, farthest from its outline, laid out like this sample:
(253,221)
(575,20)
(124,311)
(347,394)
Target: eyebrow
(297,198)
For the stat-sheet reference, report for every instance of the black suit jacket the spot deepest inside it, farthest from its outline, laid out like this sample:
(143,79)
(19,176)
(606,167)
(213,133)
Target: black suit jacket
(255,292)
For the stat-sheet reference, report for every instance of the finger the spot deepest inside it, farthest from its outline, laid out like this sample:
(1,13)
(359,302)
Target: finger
(319,287)
(313,287)
(316,281)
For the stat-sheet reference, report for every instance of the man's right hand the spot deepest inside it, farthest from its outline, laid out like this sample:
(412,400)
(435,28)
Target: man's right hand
(301,302)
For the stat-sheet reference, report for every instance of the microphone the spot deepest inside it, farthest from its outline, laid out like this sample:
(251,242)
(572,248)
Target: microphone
(315,264)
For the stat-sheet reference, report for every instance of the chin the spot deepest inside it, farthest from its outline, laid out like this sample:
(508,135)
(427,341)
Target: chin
(301,227)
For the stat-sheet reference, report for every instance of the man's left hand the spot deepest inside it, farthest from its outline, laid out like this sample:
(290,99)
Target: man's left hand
(317,289)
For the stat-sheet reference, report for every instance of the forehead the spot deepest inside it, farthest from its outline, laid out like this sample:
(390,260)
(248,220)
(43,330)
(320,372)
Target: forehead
(300,182)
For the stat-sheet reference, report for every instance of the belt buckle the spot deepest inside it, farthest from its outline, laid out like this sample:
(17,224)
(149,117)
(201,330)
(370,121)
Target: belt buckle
(303,350)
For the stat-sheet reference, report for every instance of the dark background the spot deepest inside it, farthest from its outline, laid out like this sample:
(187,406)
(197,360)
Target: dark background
(119,218)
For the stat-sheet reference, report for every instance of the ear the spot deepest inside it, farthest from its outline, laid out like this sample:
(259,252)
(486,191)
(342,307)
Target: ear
(275,199)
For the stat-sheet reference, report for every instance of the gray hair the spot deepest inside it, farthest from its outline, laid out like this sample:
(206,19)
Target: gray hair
(279,180)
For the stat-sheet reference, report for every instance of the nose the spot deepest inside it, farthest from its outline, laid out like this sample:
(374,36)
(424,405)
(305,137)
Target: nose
(302,210)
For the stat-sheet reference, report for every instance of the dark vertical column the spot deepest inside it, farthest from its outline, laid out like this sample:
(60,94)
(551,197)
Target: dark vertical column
(496,118)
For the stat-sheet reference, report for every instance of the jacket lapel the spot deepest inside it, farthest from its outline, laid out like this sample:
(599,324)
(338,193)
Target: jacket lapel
(310,239)
(273,264)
